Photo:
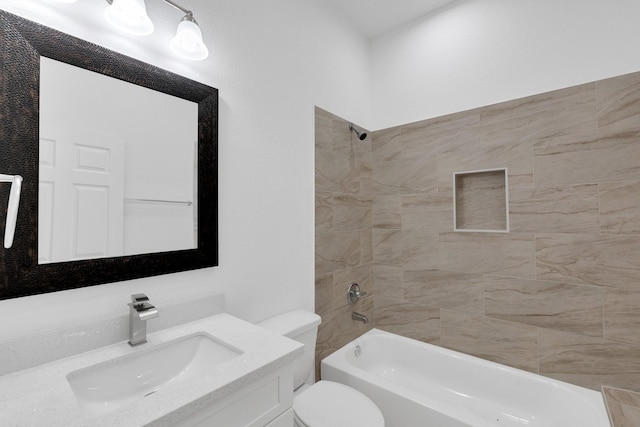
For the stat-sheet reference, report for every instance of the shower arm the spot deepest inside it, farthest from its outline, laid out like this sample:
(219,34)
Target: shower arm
(361,135)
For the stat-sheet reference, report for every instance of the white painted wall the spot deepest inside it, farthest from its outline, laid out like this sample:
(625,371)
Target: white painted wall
(480,52)
(272,61)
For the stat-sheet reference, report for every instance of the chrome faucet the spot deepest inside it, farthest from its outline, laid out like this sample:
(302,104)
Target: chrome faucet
(140,310)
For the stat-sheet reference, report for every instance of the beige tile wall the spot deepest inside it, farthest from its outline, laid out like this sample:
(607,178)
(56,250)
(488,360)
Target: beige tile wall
(559,295)
(623,407)
(343,236)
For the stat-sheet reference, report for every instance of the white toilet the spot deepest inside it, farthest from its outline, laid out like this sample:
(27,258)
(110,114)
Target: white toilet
(325,403)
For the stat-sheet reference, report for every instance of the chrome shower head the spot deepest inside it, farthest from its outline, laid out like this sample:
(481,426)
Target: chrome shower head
(361,135)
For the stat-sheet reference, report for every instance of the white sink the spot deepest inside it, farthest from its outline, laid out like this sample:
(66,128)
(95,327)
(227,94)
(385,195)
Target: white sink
(109,385)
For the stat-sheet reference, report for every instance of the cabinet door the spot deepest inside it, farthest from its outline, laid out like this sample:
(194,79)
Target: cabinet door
(255,405)
(284,420)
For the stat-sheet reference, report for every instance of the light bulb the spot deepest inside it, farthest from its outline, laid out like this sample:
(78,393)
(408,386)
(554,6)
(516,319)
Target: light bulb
(129,16)
(187,42)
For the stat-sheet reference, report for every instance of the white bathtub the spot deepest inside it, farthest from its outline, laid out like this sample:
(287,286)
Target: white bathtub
(419,384)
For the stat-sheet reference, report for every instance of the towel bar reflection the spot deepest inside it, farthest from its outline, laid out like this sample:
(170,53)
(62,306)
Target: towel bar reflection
(161,202)
(12,207)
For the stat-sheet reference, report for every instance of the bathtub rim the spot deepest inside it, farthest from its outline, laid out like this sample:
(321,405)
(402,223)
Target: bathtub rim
(338,361)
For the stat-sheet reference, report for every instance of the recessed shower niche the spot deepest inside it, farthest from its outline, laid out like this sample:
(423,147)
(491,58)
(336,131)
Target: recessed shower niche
(481,201)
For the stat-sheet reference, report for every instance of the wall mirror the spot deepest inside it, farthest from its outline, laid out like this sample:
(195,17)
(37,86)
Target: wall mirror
(141,145)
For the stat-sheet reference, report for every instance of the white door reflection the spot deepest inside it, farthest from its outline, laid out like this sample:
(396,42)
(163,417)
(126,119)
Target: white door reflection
(117,167)
(81,195)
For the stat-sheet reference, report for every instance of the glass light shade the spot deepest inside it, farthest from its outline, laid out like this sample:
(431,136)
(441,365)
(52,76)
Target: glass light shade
(188,41)
(129,16)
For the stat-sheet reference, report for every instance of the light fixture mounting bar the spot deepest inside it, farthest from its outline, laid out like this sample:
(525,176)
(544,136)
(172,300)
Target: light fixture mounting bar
(177,6)
(174,4)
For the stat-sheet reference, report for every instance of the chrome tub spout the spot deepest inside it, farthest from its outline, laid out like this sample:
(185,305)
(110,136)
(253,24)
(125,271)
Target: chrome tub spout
(360,317)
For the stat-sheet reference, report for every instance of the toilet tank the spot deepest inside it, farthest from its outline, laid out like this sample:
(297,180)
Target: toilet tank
(302,326)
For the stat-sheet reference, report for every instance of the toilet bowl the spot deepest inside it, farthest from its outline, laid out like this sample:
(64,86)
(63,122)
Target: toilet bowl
(325,403)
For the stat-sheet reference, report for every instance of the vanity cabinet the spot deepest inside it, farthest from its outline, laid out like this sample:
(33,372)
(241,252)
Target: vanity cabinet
(265,402)
(284,420)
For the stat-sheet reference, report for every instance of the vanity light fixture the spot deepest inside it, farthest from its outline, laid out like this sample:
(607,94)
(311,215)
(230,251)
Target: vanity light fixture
(131,16)
(188,40)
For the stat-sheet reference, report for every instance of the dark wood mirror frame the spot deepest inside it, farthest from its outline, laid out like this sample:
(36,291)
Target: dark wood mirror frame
(22,43)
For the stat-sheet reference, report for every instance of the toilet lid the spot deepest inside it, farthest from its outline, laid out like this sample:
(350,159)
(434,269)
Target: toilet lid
(331,404)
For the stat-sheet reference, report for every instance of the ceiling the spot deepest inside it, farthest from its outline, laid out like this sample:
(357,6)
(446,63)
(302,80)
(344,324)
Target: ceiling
(376,17)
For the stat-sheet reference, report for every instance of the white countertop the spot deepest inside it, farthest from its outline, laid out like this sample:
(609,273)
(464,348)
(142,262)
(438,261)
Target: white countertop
(41,396)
